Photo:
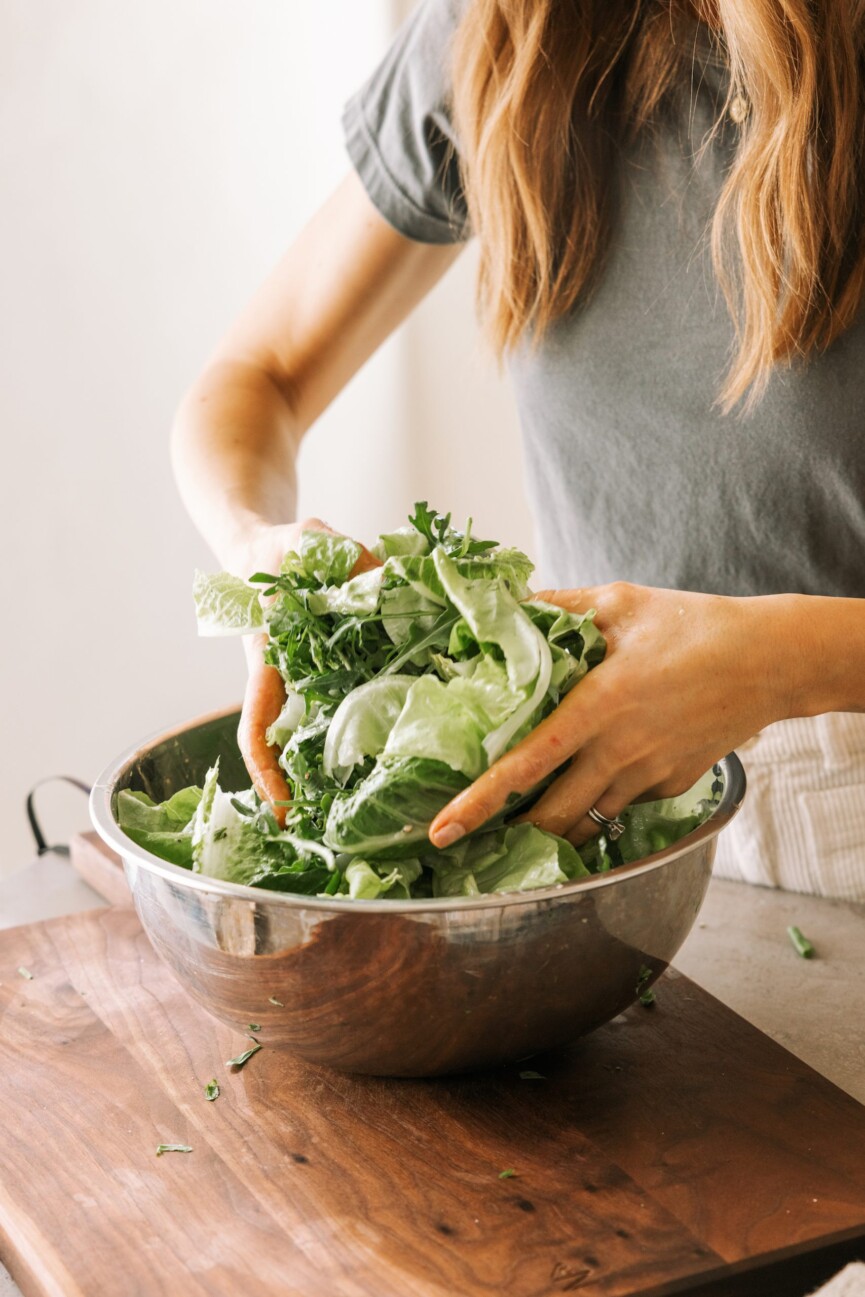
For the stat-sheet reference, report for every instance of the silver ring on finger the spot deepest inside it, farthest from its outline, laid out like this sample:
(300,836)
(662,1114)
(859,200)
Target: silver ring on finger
(614,828)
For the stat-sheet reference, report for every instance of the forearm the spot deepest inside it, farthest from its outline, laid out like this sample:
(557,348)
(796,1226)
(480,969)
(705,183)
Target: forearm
(233,445)
(820,643)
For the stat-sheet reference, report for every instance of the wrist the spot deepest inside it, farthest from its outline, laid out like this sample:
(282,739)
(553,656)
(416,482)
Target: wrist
(814,653)
(783,635)
(241,542)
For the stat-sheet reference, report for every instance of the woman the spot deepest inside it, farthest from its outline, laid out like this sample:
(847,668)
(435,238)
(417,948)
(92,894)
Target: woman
(669,203)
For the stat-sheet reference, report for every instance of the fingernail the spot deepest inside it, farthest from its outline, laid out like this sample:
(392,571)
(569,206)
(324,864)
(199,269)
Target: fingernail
(444,837)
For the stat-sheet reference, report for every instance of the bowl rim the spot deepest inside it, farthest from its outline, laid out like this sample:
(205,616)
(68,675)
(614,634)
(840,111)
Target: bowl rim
(102,816)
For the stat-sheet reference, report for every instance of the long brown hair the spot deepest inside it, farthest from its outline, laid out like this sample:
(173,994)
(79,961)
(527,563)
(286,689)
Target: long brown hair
(546,91)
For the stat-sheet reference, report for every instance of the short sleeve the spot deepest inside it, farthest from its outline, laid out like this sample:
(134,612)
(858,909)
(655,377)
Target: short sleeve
(399,134)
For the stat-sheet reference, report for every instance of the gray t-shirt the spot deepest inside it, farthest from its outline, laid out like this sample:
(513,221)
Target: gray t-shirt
(633,472)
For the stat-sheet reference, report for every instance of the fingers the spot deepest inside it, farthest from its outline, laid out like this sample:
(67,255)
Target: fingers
(262,703)
(564,807)
(578,601)
(264,700)
(615,604)
(366,562)
(537,755)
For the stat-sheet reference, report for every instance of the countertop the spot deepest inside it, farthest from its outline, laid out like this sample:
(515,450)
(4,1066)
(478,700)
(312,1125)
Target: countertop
(738,950)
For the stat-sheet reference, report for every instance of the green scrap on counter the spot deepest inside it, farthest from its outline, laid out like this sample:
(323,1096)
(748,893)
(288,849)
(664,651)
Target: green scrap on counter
(507,1175)
(211,1090)
(253,1026)
(271,999)
(645,994)
(242,1059)
(172,1148)
(801,944)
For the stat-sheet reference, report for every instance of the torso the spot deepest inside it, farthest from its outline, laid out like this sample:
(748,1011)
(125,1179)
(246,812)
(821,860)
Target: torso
(633,471)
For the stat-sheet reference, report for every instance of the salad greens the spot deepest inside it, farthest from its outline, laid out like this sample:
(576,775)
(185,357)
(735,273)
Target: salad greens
(403,684)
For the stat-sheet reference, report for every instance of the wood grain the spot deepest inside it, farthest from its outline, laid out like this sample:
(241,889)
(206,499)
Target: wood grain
(666,1144)
(100,867)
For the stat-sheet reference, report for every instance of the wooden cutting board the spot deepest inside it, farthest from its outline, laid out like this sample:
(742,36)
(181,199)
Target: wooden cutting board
(675,1150)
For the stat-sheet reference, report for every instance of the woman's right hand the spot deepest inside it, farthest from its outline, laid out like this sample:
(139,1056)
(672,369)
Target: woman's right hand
(265,692)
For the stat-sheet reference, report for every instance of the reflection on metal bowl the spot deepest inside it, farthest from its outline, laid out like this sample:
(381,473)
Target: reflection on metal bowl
(404,988)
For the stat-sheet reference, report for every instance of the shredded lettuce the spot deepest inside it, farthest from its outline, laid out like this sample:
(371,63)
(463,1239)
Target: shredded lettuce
(403,684)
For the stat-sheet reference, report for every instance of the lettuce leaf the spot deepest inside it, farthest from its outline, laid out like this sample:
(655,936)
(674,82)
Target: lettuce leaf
(392,808)
(516,859)
(164,829)
(449,721)
(362,722)
(225,605)
(326,558)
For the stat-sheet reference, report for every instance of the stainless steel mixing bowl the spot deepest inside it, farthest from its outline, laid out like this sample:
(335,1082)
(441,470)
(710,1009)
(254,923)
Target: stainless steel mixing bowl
(403,988)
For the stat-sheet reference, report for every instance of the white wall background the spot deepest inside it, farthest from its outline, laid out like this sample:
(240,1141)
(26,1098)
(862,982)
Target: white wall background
(156,160)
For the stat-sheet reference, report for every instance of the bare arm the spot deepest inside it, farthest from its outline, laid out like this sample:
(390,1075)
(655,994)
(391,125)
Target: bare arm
(346,283)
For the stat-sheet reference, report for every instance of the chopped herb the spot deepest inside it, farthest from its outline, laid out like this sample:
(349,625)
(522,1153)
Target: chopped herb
(244,1057)
(271,999)
(506,1175)
(531,1076)
(254,1026)
(172,1148)
(211,1090)
(801,944)
(25,972)
(645,994)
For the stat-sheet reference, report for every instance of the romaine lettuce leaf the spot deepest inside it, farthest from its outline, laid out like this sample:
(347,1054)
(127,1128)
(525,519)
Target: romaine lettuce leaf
(357,597)
(164,829)
(328,558)
(392,808)
(368,879)
(405,540)
(293,712)
(449,721)
(497,621)
(225,605)
(362,722)
(516,859)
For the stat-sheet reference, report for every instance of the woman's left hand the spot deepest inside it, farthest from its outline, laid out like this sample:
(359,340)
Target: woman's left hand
(686,677)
